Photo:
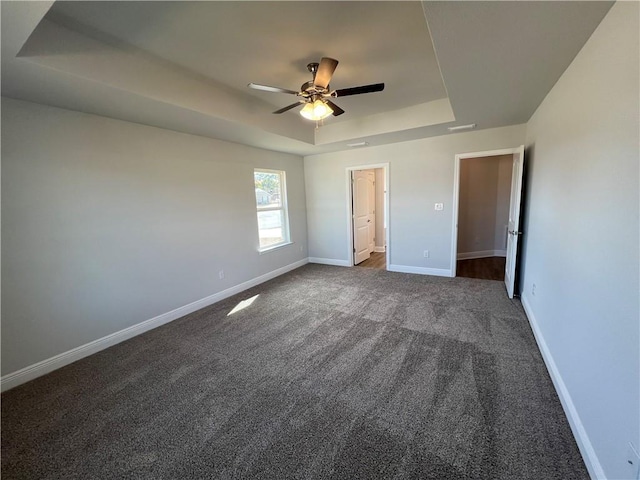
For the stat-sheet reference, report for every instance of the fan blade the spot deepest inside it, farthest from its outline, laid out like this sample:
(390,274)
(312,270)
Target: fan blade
(267,88)
(288,107)
(336,109)
(325,71)
(344,92)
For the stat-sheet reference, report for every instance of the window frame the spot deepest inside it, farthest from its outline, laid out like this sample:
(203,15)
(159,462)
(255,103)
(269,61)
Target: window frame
(284,208)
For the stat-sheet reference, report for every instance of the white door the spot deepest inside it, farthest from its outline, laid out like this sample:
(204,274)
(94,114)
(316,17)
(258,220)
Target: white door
(360,216)
(371,189)
(514,221)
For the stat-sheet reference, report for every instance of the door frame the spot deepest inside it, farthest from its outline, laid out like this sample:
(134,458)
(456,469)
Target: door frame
(349,205)
(456,194)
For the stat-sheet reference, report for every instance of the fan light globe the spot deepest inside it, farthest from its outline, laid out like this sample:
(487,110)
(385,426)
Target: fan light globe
(317,110)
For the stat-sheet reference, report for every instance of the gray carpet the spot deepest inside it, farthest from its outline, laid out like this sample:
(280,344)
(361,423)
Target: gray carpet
(331,373)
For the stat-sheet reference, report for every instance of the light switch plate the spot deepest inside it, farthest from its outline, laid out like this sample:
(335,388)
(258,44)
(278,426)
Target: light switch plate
(439,206)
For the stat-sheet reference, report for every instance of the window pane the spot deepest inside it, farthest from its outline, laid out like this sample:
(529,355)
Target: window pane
(268,189)
(271,203)
(271,227)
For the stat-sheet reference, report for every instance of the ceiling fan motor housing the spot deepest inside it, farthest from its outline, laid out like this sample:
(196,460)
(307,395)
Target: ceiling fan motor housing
(309,89)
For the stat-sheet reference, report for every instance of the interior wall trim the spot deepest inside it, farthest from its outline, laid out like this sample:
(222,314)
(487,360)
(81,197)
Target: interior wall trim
(330,261)
(582,438)
(43,367)
(481,254)
(379,249)
(438,272)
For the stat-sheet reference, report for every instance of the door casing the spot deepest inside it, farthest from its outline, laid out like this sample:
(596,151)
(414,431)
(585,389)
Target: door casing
(371,189)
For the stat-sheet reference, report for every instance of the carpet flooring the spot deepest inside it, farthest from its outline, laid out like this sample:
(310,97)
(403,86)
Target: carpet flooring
(328,373)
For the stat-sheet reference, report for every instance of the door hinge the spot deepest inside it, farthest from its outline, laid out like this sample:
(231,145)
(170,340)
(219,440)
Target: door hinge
(354,250)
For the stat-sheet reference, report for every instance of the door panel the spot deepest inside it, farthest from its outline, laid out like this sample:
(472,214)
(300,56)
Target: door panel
(514,221)
(361,222)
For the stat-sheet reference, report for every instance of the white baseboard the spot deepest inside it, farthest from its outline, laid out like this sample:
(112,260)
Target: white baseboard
(46,366)
(582,439)
(330,261)
(438,272)
(481,254)
(379,249)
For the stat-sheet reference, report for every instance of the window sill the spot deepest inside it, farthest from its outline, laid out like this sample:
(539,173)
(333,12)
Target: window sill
(274,247)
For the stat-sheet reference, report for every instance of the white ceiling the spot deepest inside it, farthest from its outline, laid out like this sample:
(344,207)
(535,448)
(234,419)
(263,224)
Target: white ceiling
(236,43)
(185,65)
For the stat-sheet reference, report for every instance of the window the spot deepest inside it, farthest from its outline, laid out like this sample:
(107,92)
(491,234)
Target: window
(271,202)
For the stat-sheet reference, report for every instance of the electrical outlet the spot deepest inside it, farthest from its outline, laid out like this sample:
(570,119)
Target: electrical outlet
(426,254)
(633,461)
(533,289)
(221,274)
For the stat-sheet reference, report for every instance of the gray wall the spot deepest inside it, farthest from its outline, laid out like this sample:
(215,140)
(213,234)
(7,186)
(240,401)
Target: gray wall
(483,209)
(106,224)
(420,174)
(581,232)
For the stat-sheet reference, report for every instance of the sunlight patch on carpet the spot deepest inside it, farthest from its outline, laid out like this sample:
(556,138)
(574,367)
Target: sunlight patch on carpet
(243,304)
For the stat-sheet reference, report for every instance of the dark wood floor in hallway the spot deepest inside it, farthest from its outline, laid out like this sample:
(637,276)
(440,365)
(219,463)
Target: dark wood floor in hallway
(490,268)
(377,260)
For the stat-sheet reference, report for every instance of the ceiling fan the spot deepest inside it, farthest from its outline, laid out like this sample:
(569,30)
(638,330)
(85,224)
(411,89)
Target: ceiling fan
(316,94)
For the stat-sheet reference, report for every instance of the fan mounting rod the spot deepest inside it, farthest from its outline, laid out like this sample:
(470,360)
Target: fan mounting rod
(313,68)
(310,88)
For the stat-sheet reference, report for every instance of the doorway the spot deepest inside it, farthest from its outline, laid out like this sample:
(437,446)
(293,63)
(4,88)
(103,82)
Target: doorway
(487,195)
(483,216)
(368,216)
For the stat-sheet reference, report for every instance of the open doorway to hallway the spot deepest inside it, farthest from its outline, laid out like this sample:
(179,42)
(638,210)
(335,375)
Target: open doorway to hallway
(483,216)
(368,194)
(511,229)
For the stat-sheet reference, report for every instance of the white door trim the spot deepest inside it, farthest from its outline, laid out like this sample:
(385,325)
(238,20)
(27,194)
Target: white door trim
(456,194)
(349,203)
